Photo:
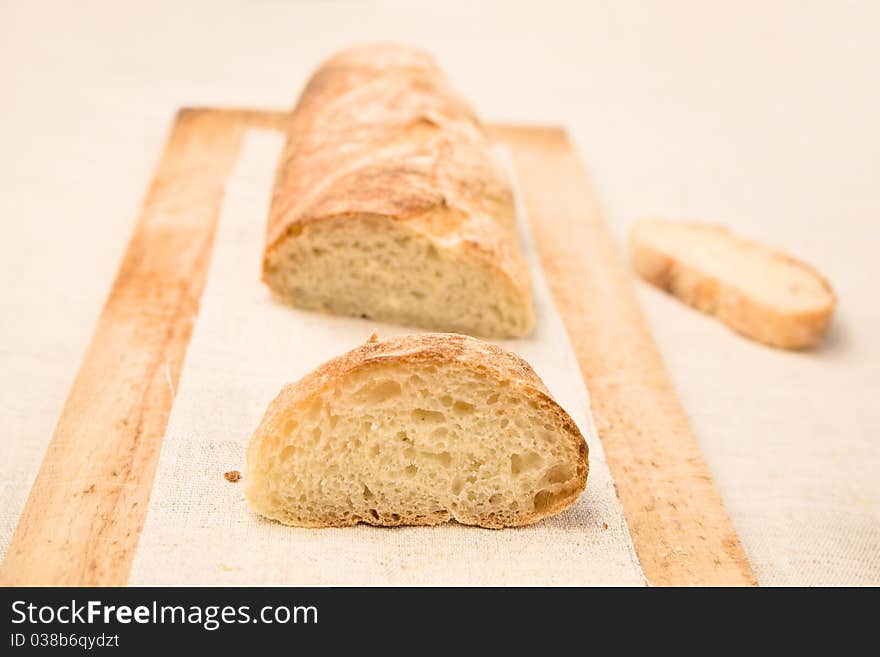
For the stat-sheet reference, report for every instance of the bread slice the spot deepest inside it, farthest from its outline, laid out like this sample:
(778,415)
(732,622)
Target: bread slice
(417,430)
(762,293)
(389,203)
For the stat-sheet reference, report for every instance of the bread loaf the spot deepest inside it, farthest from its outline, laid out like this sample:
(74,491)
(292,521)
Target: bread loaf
(417,430)
(388,203)
(762,293)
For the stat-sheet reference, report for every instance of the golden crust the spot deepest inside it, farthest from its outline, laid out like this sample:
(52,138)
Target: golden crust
(759,321)
(439,348)
(378,131)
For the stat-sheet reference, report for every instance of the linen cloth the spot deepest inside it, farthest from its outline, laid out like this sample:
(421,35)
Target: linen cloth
(245,347)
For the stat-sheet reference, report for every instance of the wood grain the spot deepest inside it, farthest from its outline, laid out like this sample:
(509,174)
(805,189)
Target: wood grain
(680,528)
(84,515)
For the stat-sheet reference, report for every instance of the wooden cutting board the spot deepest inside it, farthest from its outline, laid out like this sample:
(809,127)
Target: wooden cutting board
(85,512)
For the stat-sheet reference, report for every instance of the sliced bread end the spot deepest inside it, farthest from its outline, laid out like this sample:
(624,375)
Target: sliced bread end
(762,293)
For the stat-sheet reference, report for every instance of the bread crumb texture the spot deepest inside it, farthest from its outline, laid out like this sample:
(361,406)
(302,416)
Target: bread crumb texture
(416,430)
(762,293)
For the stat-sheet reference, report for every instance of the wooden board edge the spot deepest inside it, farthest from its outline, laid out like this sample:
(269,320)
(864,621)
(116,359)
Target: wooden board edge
(84,514)
(680,528)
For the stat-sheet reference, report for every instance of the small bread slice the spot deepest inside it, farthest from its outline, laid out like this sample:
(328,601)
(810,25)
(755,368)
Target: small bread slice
(417,430)
(766,295)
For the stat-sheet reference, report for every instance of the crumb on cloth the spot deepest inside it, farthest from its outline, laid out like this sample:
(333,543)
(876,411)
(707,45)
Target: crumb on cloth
(232,476)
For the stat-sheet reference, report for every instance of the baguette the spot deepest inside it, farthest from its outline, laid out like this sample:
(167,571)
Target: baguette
(417,430)
(388,203)
(763,294)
